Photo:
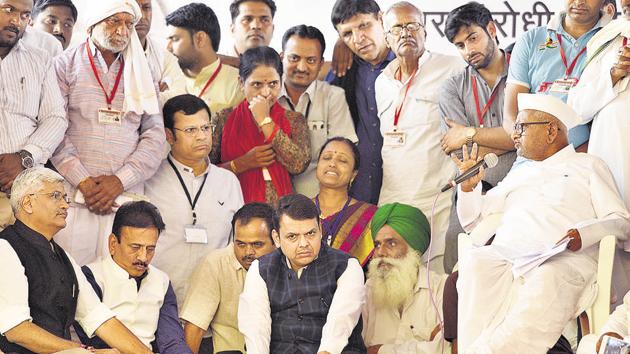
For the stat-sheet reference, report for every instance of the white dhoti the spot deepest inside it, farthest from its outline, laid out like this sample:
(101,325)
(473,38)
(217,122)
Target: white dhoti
(502,315)
(86,234)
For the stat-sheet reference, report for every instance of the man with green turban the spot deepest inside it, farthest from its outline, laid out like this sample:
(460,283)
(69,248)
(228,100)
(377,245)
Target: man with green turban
(399,315)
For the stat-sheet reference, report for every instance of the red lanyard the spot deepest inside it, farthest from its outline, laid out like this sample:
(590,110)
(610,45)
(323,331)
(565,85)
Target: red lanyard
(109,99)
(398,110)
(214,76)
(564,57)
(625,41)
(480,113)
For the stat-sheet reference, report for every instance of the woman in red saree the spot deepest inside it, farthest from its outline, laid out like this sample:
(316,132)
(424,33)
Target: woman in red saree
(258,140)
(345,220)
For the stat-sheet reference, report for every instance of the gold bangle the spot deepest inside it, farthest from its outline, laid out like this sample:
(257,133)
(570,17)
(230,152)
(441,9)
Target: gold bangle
(233,167)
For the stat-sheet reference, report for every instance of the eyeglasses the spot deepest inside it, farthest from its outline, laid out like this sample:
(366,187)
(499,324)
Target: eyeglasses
(193,131)
(56,196)
(411,27)
(519,128)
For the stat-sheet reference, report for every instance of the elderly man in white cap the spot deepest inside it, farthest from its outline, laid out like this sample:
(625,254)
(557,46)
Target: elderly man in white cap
(116,136)
(555,210)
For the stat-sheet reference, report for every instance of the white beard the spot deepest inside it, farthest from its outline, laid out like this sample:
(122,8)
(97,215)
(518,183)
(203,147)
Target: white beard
(392,287)
(103,39)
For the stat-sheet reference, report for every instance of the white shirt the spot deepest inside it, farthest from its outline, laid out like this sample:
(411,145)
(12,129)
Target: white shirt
(45,41)
(414,173)
(164,68)
(409,332)
(220,199)
(254,310)
(595,98)
(32,113)
(542,200)
(327,115)
(90,312)
(138,310)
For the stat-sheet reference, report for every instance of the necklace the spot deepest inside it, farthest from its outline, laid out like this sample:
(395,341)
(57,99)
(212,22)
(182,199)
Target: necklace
(333,226)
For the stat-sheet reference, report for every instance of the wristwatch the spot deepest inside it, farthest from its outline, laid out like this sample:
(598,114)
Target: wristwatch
(470,134)
(265,121)
(27,159)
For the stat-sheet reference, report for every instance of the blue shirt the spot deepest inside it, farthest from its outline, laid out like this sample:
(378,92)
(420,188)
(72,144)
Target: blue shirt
(536,62)
(367,184)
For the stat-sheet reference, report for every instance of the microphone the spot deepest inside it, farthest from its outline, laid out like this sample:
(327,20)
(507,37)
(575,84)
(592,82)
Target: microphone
(489,161)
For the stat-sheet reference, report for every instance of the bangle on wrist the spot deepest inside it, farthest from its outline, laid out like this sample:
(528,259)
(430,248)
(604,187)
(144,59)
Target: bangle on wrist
(233,167)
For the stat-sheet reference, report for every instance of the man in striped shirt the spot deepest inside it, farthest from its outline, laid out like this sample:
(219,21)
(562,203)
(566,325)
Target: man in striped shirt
(32,118)
(116,136)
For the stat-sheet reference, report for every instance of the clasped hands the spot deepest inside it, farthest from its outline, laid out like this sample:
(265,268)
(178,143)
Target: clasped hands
(101,192)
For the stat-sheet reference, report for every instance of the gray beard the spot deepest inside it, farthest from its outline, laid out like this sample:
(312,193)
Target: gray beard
(392,288)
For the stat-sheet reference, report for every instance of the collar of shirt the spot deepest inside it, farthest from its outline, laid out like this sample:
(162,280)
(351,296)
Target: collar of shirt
(472,71)
(422,279)
(204,75)
(118,271)
(557,157)
(33,236)
(235,263)
(309,93)
(392,68)
(97,55)
(183,168)
(388,59)
(555,24)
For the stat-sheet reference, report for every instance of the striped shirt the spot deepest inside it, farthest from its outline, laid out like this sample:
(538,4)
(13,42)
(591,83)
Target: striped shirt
(32,116)
(131,151)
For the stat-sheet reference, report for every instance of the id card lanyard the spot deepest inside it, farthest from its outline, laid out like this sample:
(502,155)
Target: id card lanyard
(399,109)
(482,113)
(108,98)
(192,202)
(569,68)
(211,79)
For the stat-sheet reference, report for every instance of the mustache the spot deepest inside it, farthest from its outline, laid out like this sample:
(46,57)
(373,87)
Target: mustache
(13,29)
(140,263)
(248,259)
(59,35)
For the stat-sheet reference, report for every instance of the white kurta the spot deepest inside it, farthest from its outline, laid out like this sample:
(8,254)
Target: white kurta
(408,332)
(137,309)
(540,202)
(618,322)
(414,173)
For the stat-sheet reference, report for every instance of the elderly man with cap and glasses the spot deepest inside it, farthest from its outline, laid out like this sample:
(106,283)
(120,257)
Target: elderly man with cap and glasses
(404,298)
(56,17)
(43,291)
(555,210)
(115,138)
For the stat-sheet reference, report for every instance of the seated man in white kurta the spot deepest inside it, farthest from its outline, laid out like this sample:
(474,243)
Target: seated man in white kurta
(559,195)
(139,294)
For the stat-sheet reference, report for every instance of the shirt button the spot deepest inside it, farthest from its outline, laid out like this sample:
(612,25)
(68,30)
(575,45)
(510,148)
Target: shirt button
(372,109)
(369,89)
(373,124)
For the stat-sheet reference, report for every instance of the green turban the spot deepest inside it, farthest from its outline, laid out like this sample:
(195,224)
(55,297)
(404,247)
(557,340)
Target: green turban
(409,222)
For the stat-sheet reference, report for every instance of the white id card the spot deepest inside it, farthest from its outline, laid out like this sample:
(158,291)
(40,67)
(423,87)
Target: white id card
(394,138)
(109,116)
(563,85)
(266,174)
(196,234)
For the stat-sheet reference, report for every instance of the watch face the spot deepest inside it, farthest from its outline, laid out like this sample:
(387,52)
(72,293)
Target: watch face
(27,162)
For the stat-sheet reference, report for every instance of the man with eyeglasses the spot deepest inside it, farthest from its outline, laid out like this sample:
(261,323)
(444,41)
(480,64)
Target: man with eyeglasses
(32,116)
(399,315)
(197,198)
(414,165)
(555,210)
(115,140)
(42,290)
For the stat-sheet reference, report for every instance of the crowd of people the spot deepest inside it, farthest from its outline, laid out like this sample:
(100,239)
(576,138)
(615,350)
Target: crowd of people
(172,199)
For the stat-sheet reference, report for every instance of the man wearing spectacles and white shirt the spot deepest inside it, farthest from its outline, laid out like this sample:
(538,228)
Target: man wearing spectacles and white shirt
(197,198)
(414,165)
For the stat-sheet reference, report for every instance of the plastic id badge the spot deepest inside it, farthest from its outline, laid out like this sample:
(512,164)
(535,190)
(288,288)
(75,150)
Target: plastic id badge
(196,234)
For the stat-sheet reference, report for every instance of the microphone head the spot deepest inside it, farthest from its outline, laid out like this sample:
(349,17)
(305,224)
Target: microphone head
(490,160)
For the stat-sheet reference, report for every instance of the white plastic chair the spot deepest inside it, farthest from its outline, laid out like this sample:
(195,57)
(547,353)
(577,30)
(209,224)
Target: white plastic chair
(599,312)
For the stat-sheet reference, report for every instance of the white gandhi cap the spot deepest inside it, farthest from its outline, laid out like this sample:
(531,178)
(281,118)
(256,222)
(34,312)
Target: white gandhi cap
(551,105)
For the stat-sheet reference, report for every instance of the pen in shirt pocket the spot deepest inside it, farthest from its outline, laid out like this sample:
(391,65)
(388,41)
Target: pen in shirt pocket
(22,82)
